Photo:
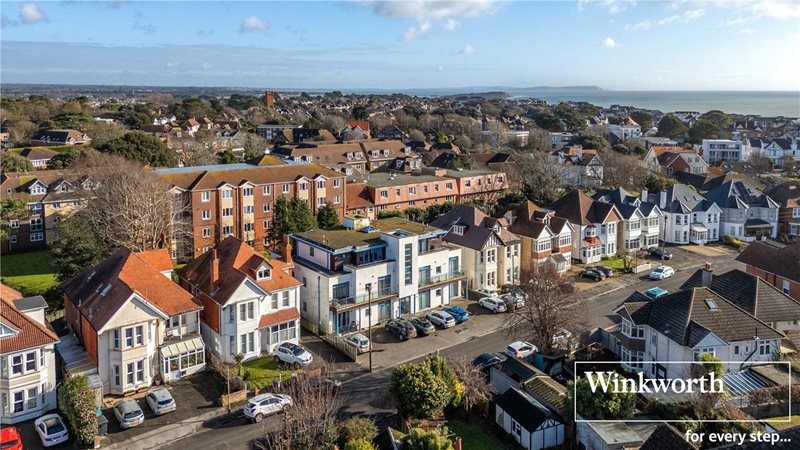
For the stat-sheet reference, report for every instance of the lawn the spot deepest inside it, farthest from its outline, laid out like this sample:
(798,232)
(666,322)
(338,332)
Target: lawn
(779,422)
(263,371)
(617,264)
(475,435)
(29,272)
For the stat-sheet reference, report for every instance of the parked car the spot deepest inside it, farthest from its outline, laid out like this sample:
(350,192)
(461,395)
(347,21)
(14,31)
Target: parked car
(264,405)
(593,274)
(128,413)
(486,360)
(160,401)
(662,272)
(493,304)
(520,349)
(460,314)
(51,429)
(423,325)
(10,439)
(513,300)
(656,292)
(441,318)
(659,252)
(401,328)
(292,354)
(359,341)
(488,292)
(607,271)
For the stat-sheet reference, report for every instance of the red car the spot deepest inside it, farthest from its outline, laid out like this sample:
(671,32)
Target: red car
(9,439)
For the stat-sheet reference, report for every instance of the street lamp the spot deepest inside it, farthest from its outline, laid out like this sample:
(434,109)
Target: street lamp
(369,308)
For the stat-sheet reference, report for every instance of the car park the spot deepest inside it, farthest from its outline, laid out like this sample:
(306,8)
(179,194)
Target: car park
(160,401)
(292,354)
(264,405)
(423,325)
(128,413)
(441,319)
(593,274)
(659,253)
(486,360)
(513,300)
(401,328)
(520,349)
(607,271)
(493,304)
(662,272)
(10,439)
(51,430)
(460,314)
(359,341)
(656,292)
(488,292)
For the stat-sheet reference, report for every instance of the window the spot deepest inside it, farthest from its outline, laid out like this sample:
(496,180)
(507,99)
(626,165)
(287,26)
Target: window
(274,301)
(139,371)
(631,330)
(232,345)
(248,226)
(705,351)
(302,186)
(384,194)
(35,237)
(251,308)
(412,190)
(247,192)
(267,207)
(321,201)
(19,401)
(139,335)
(266,190)
(36,224)
(516,428)
(32,394)
(336,199)
(206,214)
(285,298)
(408,264)
(425,300)
(206,232)
(448,186)
(336,182)
(227,229)
(14,224)
(764,348)
(285,188)
(115,339)
(266,225)
(16,364)
(227,193)
(232,314)
(248,209)
(310,251)
(205,196)
(263,273)
(786,287)
(735,349)
(227,212)
(130,373)
(117,376)
(321,184)
(129,337)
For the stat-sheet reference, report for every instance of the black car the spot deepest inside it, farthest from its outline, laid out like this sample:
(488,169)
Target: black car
(401,328)
(487,360)
(423,326)
(607,271)
(660,253)
(593,274)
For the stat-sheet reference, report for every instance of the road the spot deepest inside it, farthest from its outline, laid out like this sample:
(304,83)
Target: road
(368,394)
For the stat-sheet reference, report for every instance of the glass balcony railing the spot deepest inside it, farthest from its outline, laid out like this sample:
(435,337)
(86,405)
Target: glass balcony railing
(378,294)
(427,281)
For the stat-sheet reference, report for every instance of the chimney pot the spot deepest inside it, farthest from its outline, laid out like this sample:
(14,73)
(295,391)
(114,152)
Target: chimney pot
(214,266)
(708,275)
(458,443)
(287,249)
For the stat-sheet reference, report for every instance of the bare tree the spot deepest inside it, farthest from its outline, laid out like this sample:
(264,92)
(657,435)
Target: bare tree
(333,123)
(226,371)
(196,152)
(477,389)
(623,171)
(761,163)
(553,308)
(129,206)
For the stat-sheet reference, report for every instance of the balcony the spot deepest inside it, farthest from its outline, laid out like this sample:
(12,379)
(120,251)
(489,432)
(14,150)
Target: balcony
(377,296)
(441,279)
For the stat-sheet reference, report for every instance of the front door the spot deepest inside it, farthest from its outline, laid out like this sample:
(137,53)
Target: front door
(405,305)
(385,310)
(344,321)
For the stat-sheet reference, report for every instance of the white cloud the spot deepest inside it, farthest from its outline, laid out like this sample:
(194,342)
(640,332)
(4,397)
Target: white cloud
(173,64)
(782,10)
(253,23)
(669,20)
(30,13)
(694,14)
(451,24)
(609,43)
(643,25)
(423,26)
(737,21)
(467,50)
(612,6)
(746,31)
(441,68)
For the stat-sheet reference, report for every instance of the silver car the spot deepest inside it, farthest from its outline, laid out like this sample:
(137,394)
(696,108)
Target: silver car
(160,401)
(128,413)
(441,318)
(359,341)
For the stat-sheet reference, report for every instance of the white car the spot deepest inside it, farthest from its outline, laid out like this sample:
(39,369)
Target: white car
(488,292)
(441,318)
(264,405)
(160,401)
(128,413)
(359,341)
(515,300)
(493,304)
(52,430)
(520,349)
(292,354)
(662,272)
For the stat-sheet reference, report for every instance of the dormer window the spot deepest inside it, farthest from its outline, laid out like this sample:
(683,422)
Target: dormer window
(591,231)
(263,274)
(38,189)
(459,229)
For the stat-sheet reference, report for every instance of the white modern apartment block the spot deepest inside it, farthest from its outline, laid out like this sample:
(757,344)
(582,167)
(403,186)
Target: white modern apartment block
(623,132)
(397,266)
(688,217)
(559,140)
(27,359)
(717,150)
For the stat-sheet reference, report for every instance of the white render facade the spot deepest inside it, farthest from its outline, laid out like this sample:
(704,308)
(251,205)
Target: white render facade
(717,150)
(605,234)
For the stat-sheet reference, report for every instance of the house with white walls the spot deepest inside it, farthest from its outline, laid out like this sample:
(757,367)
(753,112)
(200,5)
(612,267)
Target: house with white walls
(594,223)
(688,217)
(747,213)
(641,220)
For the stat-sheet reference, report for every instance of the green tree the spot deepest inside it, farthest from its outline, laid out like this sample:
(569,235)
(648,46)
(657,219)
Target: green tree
(71,120)
(657,183)
(290,217)
(442,369)
(704,129)
(76,401)
(621,148)
(142,147)
(718,118)
(12,210)
(434,211)
(548,121)
(419,439)
(418,392)
(643,118)
(415,214)
(78,248)
(388,214)
(327,216)
(303,217)
(588,139)
(227,157)
(570,117)
(360,113)
(359,444)
(358,428)
(671,127)
(13,162)
(597,405)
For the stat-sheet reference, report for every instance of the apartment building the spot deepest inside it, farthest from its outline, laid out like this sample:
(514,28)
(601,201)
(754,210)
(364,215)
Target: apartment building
(238,200)
(776,265)
(594,223)
(544,237)
(490,252)
(642,221)
(559,140)
(135,323)
(718,150)
(250,304)
(352,158)
(787,196)
(747,213)
(50,197)
(381,270)
(688,216)
(27,358)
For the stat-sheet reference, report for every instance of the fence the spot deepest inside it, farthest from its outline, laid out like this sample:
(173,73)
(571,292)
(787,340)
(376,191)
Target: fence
(310,326)
(341,345)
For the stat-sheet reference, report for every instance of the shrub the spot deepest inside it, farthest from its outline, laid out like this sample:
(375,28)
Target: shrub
(418,392)
(732,241)
(76,401)
(359,444)
(357,428)
(388,214)
(419,439)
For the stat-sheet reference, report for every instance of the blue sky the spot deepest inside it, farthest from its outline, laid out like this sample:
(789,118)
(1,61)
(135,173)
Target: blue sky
(614,44)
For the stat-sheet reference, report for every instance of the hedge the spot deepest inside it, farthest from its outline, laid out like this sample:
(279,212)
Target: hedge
(76,401)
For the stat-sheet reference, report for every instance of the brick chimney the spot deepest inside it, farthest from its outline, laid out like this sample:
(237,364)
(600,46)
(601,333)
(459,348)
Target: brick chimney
(214,266)
(458,443)
(287,249)
(708,275)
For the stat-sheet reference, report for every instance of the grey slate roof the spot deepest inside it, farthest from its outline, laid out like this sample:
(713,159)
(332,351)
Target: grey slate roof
(683,200)
(478,227)
(780,261)
(528,412)
(738,194)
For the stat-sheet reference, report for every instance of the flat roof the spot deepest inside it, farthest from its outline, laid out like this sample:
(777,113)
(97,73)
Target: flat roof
(470,173)
(382,179)
(340,238)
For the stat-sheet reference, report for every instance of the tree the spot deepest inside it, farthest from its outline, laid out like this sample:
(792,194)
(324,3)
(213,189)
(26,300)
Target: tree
(327,216)
(718,118)
(76,401)
(553,305)
(788,163)
(12,209)
(761,163)
(416,135)
(358,428)
(621,148)
(13,162)
(620,170)
(333,123)
(419,439)
(415,214)
(570,116)
(671,127)
(476,388)
(79,247)
(142,147)
(442,369)
(657,183)
(703,129)
(359,444)
(290,217)
(601,404)
(388,214)
(588,139)
(538,178)
(434,211)
(643,118)
(227,157)
(463,142)
(548,121)
(417,391)
(360,113)
(197,153)
(254,145)
(102,132)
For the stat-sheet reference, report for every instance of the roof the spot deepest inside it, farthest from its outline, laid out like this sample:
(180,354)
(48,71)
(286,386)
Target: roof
(549,389)
(211,177)
(779,261)
(9,293)
(666,437)
(689,315)
(786,194)
(37,153)
(478,227)
(277,317)
(384,179)
(237,262)
(525,410)
(363,124)
(734,193)
(58,135)
(395,148)
(100,291)
(750,293)
(324,154)
(29,332)
(579,208)
(357,196)
(682,199)
(343,238)
(160,259)
(20,184)
(29,303)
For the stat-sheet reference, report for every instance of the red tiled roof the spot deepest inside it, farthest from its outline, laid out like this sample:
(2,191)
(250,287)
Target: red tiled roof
(8,293)
(592,241)
(30,333)
(157,258)
(278,317)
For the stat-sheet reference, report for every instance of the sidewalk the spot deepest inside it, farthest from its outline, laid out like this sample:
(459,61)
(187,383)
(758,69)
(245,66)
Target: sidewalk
(166,434)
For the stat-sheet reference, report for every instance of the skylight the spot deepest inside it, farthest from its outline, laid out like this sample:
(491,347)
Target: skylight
(711,304)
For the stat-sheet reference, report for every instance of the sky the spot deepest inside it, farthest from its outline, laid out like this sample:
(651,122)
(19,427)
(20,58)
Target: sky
(366,44)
